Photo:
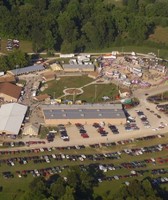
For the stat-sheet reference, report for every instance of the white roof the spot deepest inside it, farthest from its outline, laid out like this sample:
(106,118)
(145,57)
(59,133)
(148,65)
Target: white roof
(11,117)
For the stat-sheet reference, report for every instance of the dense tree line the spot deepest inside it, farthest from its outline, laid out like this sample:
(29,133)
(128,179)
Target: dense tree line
(79,184)
(78,25)
(15,59)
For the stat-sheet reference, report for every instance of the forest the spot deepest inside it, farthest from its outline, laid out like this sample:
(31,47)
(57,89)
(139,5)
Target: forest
(79,25)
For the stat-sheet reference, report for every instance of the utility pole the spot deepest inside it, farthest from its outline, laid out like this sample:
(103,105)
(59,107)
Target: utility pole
(74,95)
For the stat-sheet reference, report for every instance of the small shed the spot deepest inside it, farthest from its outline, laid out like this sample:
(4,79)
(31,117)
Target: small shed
(31,129)
(42,97)
(49,76)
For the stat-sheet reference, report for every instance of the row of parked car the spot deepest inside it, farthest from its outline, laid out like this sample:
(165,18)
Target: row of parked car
(143,118)
(63,132)
(136,173)
(77,147)
(100,129)
(21,143)
(156,114)
(113,128)
(46,172)
(94,157)
(12,44)
(82,130)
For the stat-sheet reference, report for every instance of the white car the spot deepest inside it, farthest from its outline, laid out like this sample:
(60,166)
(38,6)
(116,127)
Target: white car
(53,156)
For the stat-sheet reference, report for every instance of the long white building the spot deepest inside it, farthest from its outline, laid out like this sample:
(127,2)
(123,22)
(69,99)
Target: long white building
(11,118)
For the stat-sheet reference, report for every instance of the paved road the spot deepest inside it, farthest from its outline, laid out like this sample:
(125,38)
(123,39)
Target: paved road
(140,94)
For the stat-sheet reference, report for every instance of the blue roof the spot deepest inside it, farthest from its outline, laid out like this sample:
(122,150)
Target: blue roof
(28,69)
(86,111)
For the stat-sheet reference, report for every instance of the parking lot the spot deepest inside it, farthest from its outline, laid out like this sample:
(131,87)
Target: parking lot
(105,161)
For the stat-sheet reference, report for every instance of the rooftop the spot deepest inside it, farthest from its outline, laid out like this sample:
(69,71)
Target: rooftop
(10,89)
(90,111)
(77,66)
(28,69)
(11,117)
(7,78)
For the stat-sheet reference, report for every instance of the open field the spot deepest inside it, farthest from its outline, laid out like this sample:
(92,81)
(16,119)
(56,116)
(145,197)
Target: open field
(25,46)
(56,87)
(95,92)
(14,188)
(92,93)
(160,35)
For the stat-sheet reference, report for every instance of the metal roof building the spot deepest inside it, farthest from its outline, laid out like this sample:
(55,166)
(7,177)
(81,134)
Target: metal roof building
(11,118)
(26,70)
(88,113)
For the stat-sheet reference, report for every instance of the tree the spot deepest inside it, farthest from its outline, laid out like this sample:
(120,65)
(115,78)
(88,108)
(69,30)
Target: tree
(133,5)
(138,29)
(73,178)
(37,40)
(137,190)
(69,194)
(49,41)
(38,189)
(3,63)
(58,189)
(67,28)
(19,58)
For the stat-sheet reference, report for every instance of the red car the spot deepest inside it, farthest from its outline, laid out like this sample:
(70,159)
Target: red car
(85,135)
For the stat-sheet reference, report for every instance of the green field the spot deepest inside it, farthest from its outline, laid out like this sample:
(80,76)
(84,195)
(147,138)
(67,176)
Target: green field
(25,46)
(56,87)
(92,93)
(14,188)
(160,35)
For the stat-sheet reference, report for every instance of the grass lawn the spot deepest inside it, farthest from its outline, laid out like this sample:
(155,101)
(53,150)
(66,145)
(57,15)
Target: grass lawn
(14,188)
(95,92)
(25,46)
(92,93)
(160,35)
(57,86)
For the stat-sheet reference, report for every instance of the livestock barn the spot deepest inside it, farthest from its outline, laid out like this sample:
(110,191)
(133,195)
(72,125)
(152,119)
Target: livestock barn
(85,114)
